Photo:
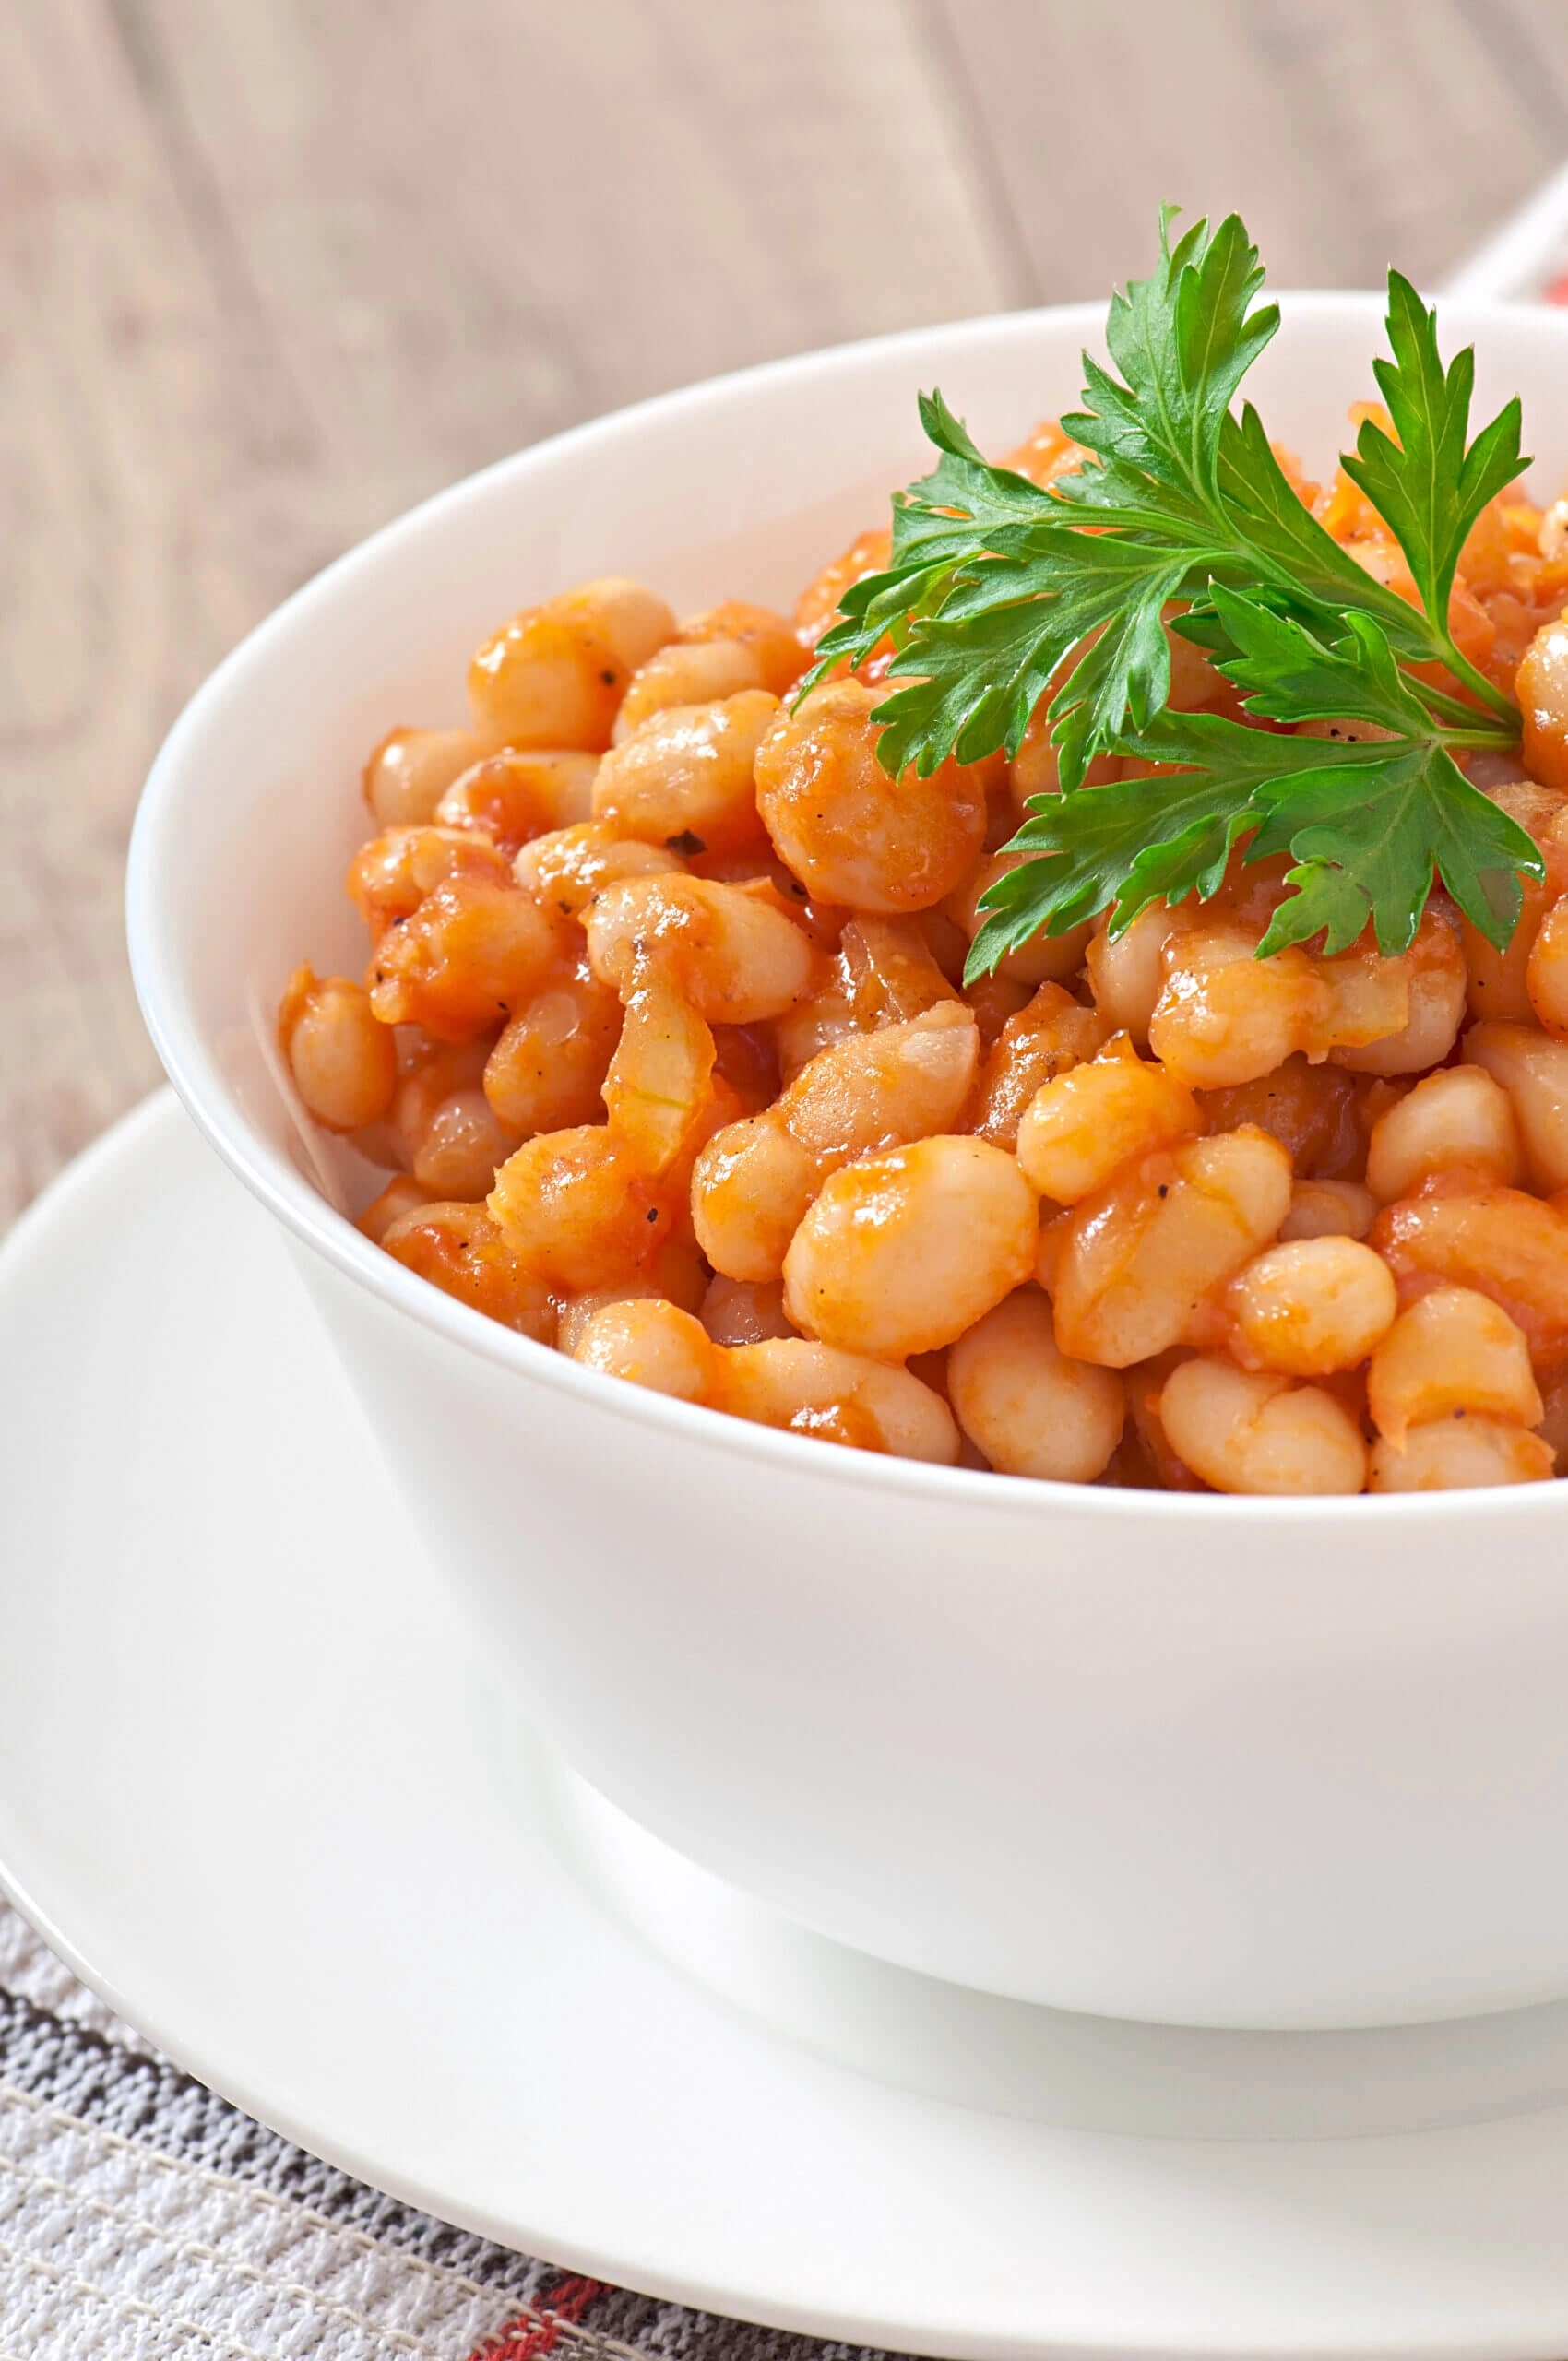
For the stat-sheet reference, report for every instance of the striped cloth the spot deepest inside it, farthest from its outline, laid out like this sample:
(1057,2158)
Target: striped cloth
(142,2217)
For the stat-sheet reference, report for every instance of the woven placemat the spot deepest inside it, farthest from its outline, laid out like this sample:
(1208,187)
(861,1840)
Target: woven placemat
(141,2217)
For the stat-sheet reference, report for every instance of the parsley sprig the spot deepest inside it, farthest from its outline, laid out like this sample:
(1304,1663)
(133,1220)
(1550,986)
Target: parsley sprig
(998,592)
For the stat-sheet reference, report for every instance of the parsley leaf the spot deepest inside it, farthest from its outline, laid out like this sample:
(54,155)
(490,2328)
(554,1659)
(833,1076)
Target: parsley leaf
(998,594)
(1289,674)
(1007,627)
(1120,847)
(1183,340)
(1367,828)
(1303,568)
(1366,818)
(1025,575)
(1427,486)
(1366,838)
(963,508)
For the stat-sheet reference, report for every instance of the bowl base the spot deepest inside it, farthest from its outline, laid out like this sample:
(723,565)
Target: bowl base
(1003,2056)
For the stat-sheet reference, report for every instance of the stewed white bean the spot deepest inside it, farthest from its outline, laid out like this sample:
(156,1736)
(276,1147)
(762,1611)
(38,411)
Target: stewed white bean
(903,1251)
(1329,1209)
(510,798)
(1455,1121)
(555,674)
(1454,1350)
(1532,1069)
(743,1311)
(1253,1431)
(1030,1411)
(650,1343)
(1083,1126)
(1140,1257)
(683,778)
(805,1388)
(344,1064)
(849,833)
(1460,1453)
(734,956)
(411,769)
(841,1397)
(1225,1015)
(1502,1243)
(462,1251)
(1310,1305)
(754,1181)
(1127,971)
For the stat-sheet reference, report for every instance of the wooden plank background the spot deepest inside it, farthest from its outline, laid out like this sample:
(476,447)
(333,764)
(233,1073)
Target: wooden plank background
(270,271)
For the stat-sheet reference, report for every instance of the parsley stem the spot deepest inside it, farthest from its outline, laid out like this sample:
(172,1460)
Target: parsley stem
(1499,702)
(1235,545)
(1483,742)
(1445,707)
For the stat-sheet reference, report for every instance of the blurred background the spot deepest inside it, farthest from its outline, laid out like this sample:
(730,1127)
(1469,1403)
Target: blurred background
(272,269)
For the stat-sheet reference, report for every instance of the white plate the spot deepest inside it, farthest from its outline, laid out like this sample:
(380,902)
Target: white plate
(254,1784)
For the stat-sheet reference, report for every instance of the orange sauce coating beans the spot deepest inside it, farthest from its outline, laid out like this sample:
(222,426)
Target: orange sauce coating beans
(817,605)
(462,1252)
(459,963)
(850,834)
(683,778)
(555,674)
(717,655)
(343,1063)
(389,877)
(411,769)
(665,1027)
(547,1070)
(509,799)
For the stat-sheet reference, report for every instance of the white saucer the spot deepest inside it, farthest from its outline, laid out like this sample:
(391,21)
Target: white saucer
(256,1786)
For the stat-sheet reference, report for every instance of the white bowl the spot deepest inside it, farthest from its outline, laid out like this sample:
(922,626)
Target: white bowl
(1221,1761)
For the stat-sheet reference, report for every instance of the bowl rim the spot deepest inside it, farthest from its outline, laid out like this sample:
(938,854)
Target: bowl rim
(277,1184)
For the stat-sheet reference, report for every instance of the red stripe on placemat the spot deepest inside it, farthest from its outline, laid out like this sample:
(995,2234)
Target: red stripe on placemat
(533,2332)
(1556,290)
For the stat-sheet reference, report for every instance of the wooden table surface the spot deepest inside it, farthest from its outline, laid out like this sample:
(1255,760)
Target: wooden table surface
(272,269)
